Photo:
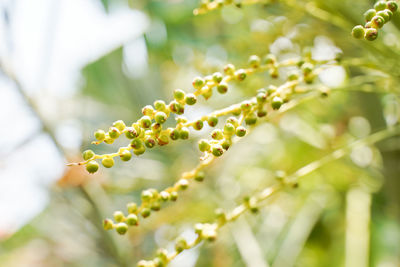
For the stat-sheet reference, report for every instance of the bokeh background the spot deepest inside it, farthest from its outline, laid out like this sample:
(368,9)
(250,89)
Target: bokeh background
(69,67)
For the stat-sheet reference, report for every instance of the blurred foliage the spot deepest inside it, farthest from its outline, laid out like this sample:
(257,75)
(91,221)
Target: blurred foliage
(181,46)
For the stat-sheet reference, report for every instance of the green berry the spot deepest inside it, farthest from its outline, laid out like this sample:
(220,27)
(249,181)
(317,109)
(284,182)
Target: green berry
(131,220)
(121,228)
(179,95)
(269,59)
(358,32)
(164,195)
(198,125)
(108,140)
(108,224)
(184,133)
(212,121)
(160,117)
(261,113)
(293,76)
(380,5)
(246,106)
(163,140)
(145,212)
(174,196)
(251,119)
(149,142)
(190,99)
(307,68)
(392,5)
(240,74)
(199,176)
(217,134)
(136,143)
(88,154)
(131,207)
(146,195)
(173,134)
(148,111)
(145,122)
(207,92)
(100,135)
(139,151)
(229,69)
(229,129)
(222,88)
(368,25)
(183,184)
(204,145)
(274,73)
(162,254)
(385,15)
(254,61)
(107,162)
(160,105)
(217,77)
(371,34)
(181,245)
(217,150)
(198,82)
(369,14)
(125,155)
(272,89)
(233,121)
(120,125)
(92,166)
(156,206)
(114,132)
(226,144)
(177,108)
(261,97)
(130,133)
(119,216)
(276,102)
(377,22)
(241,131)
(156,128)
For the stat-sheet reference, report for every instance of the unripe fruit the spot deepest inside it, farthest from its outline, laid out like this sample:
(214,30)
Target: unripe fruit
(130,133)
(146,195)
(198,125)
(222,88)
(276,102)
(148,111)
(120,125)
(136,143)
(199,176)
(274,73)
(160,105)
(165,196)
(229,69)
(108,140)
(392,5)
(162,254)
(183,184)
(156,206)
(307,68)
(246,106)
(100,135)
(177,108)
(119,216)
(190,99)
(241,131)
(114,133)
(358,32)
(180,245)
(293,76)
(380,5)
(121,228)
(198,82)
(156,127)
(261,97)
(377,22)
(226,144)
(174,134)
(145,122)
(163,140)
(150,142)
(254,61)
(131,220)
(217,150)
(369,14)
(385,15)
(179,95)
(240,74)
(145,212)
(88,154)
(233,121)
(108,224)
(139,151)
(160,117)
(371,34)
(217,134)
(174,196)
(92,166)
(229,129)
(217,77)
(261,113)
(107,162)
(184,133)
(269,59)
(125,155)
(212,121)
(204,145)
(272,89)
(131,207)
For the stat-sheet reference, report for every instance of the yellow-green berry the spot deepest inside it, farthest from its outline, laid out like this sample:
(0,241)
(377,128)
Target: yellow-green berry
(92,166)
(222,88)
(163,140)
(88,154)
(139,151)
(108,224)
(125,155)
(251,119)
(377,22)
(174,196)
(179,95)
(156,206)
(198,125)
(164,195)
(254,61)
(276,102)
(204,145)
(392,5)
(146,195)
(240,74)
(380,5)
(149,142)
(160,105)
(269,59)
(212,121)
(114,132)
(369,14)
(119,124)
(307,68)
(145,122)
(371,34)
(107,162)
(131,207)
(180,245)
(385,15)
(121,228)
(229,69)
(226,144)
(217,134)
(183,184)
(199,176)
(119,216)
(184,133)
(217,150)
(198,82)
(229,129)
(136,143)
(100,135)
(241,131)
(145,212)
(358,32)
(160,117)
(131,220)
(190,99)
(148,111)
(233,121)
(217,77)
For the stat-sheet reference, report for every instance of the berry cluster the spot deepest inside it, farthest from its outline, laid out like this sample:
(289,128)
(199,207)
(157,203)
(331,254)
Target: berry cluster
(210,5)
(375,19)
